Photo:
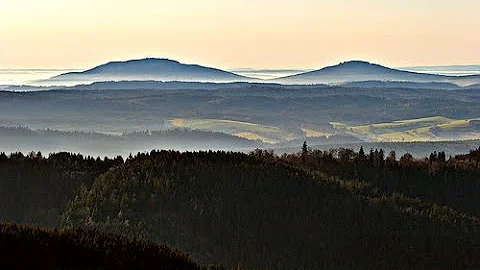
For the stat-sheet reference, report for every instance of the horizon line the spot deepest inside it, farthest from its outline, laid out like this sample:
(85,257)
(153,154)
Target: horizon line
(239,69)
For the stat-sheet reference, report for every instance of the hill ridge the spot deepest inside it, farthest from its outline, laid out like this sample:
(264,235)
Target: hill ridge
(363,71)
(165,69)
(157,69)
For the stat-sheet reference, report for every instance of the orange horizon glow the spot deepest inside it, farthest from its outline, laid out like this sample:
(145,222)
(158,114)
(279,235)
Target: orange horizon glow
(233,34)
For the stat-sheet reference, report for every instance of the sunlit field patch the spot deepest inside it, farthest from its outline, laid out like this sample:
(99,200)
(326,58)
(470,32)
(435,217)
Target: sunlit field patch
(435,128)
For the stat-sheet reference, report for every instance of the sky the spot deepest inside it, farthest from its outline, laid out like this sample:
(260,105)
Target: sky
(239,33)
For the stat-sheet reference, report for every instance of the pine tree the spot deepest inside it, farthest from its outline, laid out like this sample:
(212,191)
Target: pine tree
(304,149)
(361,154)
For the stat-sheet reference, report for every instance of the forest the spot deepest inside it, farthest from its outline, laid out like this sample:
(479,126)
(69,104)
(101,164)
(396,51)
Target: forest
(314,209)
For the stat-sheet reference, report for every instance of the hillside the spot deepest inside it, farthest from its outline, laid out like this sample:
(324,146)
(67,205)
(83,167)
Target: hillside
(28,247)
(36,189)
(434,128)
(148,69)
(361,71)
(279,114)
(309,210)
(262,212)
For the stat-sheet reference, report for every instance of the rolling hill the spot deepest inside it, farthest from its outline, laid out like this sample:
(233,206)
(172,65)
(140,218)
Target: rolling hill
(435,128)
(83,249)
(260,211)
(361,71)
(248,130)
(156,69)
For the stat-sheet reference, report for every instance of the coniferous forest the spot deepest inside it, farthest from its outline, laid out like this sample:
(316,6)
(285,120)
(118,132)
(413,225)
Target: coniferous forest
(337,209)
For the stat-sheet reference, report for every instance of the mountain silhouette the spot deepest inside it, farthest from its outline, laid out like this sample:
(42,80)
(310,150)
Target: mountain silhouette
(160,69)
(156,69)
(361,71)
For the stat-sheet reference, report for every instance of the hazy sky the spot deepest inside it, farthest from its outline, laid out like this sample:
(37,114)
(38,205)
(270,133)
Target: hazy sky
(235,33)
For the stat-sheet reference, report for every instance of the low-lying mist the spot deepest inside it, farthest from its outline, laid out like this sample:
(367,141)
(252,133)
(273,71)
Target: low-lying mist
(25,140)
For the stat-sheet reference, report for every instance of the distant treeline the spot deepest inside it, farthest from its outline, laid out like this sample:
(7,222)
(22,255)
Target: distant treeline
(23,139)
(417,149)
(168,133)
(452,181)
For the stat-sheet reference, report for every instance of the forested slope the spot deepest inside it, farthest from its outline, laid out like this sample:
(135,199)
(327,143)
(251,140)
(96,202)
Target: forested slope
(269,212)
(35,189)
(27,247)
(451,181)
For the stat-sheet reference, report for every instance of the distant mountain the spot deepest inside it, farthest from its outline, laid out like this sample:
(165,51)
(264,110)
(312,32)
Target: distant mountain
(166,70)
(359,71)
(149,69)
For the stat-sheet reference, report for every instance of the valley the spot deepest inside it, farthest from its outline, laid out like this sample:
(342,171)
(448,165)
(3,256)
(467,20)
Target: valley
(253,115)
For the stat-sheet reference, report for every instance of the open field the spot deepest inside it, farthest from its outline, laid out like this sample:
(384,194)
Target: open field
(436,128)
(248,130)
(312,133)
